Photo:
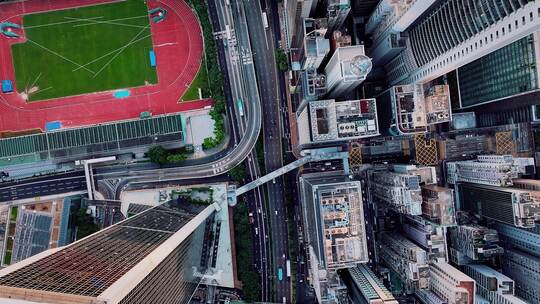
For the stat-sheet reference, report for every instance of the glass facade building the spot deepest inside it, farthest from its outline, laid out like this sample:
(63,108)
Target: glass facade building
(505,72)
(157,256)
(455,21)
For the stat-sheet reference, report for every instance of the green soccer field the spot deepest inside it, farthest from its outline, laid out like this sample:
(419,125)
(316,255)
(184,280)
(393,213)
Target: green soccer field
(84,50)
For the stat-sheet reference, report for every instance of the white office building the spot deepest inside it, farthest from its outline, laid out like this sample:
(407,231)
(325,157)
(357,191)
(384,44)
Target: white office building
(450,284)
(347,68)
(492,285)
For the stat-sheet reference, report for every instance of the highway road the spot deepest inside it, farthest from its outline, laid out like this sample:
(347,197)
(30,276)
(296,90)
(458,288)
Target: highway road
(263,46)
(238,59)
(42,186)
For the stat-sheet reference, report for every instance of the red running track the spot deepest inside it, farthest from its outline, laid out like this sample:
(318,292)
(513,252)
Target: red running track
(178,46)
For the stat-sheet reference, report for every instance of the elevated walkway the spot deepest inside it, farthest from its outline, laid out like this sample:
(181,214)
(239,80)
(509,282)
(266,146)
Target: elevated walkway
(321,156)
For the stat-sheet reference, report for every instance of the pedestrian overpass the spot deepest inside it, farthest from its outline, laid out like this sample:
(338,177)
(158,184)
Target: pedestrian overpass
(315,157)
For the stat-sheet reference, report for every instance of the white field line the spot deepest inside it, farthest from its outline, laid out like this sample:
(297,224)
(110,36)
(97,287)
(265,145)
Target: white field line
(112,20)
(54,53)
(35,80)
(39,91)
(105,22)
(121,50)
(111,52)
(57,23)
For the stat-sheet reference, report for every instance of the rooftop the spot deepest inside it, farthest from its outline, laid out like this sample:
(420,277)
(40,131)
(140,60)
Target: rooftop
(338,218)
(343,120)
(90,266)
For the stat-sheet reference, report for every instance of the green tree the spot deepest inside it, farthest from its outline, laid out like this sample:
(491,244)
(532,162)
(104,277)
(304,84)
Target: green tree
(208,143)
(85,224)
(158,155)
(238,173)
(281,60)
(176,158)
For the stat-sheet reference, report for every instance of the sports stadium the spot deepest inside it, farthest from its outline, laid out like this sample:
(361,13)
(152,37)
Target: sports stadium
(73,63)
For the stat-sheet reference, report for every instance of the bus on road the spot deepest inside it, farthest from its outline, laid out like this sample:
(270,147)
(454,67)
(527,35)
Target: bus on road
(265,20)
(240,104)
(288,268)
(280,274)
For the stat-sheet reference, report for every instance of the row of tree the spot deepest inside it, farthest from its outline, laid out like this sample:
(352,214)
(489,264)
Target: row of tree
(215,77)
(160,156)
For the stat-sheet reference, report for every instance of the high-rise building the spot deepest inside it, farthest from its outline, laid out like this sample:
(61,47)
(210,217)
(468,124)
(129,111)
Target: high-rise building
(367,288)
(312,84)
(340,40)
(296,11)
(337,12)
(504,73)
(507,205)
(409,109)
(334,226)
(450,284)
(438,205)
(526,240)
(406,259)
(497,170)
(472,243)
(492,285)
(389,19)
(330,121)
(455,32)
(532,185)
(157,256)
(347,68)
(524,269)
(430,237)
(399,191)
(315,46)
(427,174)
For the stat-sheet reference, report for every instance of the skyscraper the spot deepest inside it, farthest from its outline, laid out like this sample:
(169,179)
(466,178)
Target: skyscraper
(507,205)
(337,12)
(457,32)
(526,240)
(495,170)
(427,235)
(330,121)
(506,72)
(450,284)
(399,191)
(407,260)
(473,243)
(524,269)
(388,21)
(315,46)
(366,288)
(409,109)
(334,226)
(492,285)
(438,205)
(347,68)
(157,256)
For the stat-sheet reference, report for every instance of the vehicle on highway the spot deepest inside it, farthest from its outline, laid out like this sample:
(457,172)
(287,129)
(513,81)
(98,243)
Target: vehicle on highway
(288,268)
(265,20)
(280,274)
(240,105)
